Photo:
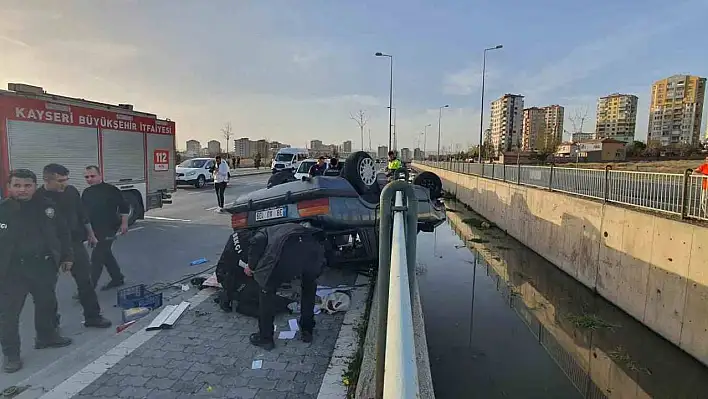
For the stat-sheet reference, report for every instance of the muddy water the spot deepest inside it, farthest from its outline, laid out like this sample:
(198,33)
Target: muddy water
(502,322)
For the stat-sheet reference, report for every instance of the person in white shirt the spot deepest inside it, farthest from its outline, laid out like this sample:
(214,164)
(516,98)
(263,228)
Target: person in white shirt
(221,179)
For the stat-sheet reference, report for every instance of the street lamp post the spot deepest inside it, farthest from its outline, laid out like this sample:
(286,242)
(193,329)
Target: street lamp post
(439,125)
(481,108)
(425,140)
(390,99)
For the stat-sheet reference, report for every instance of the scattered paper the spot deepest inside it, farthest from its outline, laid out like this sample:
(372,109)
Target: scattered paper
(293,325)
(275,327)
(318,309)
(286,335)
(212,281)
(257,364)
(184,287)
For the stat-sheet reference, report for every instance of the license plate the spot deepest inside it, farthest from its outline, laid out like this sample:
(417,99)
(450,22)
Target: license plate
(271,213)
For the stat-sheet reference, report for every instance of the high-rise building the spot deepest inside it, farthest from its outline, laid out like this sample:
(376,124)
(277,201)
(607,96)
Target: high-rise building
(315,144)
(617,117)
(507,122)
(214,147)
(405,154)
(383,151)
(542,127)
(676,110)
(347,146)
(194,148)
(242,147)
(418,154)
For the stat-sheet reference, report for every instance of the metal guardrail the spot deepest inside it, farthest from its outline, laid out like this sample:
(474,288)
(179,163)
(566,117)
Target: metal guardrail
(685,195)
(396,363)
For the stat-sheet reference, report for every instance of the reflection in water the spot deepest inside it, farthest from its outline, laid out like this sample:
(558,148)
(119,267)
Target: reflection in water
(604,352)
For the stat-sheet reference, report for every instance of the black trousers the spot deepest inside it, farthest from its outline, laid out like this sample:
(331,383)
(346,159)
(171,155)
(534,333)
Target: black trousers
(267,298)
(220,189)
(37,277)
(81,271)
(102,256)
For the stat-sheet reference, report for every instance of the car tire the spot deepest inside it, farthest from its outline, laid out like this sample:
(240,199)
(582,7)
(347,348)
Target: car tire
(432,182)
(201,182)
(360,171)
(135,205)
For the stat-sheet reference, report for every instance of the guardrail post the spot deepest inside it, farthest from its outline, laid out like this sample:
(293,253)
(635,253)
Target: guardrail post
(518,173)
(550,177)
(684,192)
(384,272)
(606,195)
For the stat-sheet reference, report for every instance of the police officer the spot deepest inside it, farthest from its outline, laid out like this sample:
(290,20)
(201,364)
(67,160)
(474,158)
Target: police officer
(34,245)
(393,164)
(276,255)
(229,272)
(56,188)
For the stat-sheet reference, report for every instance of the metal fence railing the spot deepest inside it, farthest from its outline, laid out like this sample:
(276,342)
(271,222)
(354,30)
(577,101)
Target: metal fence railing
(685,194)
(396,362)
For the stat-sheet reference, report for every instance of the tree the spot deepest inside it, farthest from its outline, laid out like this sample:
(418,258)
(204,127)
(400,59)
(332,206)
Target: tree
(226,132)
(636,148)
(546,145)
(361,119)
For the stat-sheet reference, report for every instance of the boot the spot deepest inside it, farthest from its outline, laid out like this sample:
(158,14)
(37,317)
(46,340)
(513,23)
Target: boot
(262,342)
(97,322)
(11,364)
(55,341)
(306,336)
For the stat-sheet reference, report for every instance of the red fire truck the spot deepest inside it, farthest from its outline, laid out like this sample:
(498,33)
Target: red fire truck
(135,150)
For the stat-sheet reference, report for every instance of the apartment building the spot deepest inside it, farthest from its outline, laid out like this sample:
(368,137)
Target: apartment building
(676,110)
(555,114)
(533,128)
(617,117)
(213,147)
(243,147)
(506,122)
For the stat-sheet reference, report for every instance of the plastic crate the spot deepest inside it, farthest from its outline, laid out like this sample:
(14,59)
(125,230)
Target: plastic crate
(138,296)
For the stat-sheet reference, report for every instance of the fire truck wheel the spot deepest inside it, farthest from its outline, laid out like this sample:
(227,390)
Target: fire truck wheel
(136,207)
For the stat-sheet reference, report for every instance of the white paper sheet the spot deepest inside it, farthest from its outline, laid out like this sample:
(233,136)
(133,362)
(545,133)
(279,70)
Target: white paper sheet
(287,334)
(256,364)
(293,325)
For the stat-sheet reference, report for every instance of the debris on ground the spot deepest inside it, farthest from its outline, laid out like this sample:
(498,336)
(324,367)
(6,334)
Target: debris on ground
(199,261)
(200,313)
(168,317)
(134,314)
(13,391)
(124,326)
(257,364)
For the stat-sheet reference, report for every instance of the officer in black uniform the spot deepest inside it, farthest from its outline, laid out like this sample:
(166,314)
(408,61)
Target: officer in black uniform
(34,245)
(276,255)
(68,200)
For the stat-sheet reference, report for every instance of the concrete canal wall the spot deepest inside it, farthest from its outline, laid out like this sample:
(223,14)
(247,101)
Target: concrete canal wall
(652,267)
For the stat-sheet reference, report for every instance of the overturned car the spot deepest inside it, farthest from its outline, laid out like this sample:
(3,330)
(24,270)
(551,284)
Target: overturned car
(345,206)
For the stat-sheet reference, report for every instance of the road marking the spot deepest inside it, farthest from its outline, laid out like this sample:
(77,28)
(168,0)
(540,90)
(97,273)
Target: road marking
(136,228)
(167,219)
(77,382)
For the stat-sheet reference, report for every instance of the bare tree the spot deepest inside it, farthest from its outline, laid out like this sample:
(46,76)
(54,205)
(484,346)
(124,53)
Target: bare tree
(361,119)
(578,119)
(226,132)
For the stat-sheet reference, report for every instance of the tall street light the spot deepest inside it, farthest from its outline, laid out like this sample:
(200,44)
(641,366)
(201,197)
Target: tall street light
(425,139)
(439,124)
(390,99)
(481,108)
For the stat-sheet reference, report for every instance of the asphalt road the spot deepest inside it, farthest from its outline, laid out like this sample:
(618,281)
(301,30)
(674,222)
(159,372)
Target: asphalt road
(156,250)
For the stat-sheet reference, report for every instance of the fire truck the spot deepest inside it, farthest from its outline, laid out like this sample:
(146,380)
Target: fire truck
(135,150)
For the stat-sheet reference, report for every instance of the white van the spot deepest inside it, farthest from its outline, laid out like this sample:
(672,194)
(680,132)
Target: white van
(288,158)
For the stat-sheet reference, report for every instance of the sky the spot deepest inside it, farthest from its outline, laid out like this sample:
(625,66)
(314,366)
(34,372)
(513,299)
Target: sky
(296,70)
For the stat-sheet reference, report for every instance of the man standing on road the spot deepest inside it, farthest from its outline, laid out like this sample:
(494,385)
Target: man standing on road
(57,188)
(276,255)
(34,245)
(393,163)
(108,212)
(221,179)
(319,168)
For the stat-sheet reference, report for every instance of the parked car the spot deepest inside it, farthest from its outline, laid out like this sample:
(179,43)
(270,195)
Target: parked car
(195,172)
(346,207)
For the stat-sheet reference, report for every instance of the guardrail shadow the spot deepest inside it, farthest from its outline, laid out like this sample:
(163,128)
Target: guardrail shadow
(596,344)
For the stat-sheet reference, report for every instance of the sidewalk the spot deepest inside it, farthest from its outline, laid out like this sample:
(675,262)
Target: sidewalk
(208,355)
(250,171)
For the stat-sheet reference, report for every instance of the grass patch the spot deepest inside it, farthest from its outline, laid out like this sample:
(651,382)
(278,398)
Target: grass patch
(502,247)
(478,223)
(619,355)
(351,377)
(589,321)
(478,240)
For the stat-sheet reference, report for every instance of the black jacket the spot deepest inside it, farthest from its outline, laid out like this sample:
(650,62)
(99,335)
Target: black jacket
(72,208)
(236,249)
(55,231)
(267,245)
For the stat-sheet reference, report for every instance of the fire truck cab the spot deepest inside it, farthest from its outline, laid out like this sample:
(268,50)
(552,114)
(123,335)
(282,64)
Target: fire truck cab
(135,150)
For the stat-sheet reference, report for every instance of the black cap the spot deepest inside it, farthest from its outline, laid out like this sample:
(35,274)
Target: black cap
(391,153)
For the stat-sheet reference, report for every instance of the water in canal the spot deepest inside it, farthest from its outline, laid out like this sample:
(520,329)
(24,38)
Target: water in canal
(516,326)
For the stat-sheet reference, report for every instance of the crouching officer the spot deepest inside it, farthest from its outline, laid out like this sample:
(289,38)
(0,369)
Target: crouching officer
(34,244)
(276,255)
(228,269)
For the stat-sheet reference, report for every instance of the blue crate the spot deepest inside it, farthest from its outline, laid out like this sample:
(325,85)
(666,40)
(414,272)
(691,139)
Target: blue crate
(138,296)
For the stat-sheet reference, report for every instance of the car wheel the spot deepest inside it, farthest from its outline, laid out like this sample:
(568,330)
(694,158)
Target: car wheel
(201,182)
(432,182)
(360,171)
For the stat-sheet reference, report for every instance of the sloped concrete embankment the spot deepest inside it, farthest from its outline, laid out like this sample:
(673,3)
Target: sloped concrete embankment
(652,267)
